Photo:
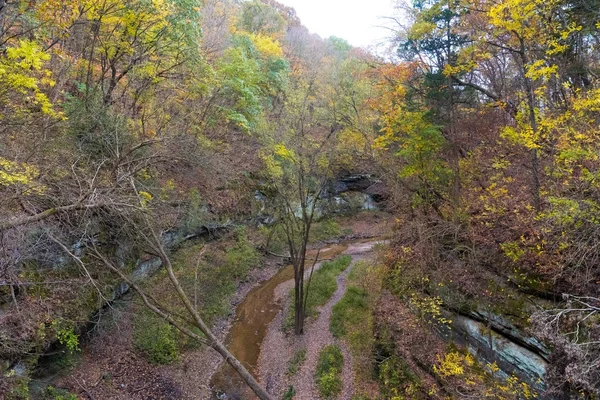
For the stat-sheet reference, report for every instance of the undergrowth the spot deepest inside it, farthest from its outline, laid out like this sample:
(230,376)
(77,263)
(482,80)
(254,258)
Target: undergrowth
(329,369)
(210,275)
(155,338)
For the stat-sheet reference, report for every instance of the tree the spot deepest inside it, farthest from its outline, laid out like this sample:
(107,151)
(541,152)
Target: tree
(297,172)
(416,143)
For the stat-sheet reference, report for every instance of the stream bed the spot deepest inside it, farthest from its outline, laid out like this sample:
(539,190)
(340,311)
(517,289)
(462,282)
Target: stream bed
(253,316)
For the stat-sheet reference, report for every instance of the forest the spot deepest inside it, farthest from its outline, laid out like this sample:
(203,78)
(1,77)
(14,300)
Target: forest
(201,199)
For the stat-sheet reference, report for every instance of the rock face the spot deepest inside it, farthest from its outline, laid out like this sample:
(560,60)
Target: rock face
(492,338)
(353,183)
(510,357)
(346,194)
(172,239)
(364,183)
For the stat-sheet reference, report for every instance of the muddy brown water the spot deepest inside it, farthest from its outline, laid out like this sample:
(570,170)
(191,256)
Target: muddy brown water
(253,316)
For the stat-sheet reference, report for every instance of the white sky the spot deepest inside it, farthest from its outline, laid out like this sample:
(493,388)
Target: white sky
(353,20)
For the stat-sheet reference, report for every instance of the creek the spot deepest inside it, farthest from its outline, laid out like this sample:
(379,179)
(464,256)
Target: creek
(253,317)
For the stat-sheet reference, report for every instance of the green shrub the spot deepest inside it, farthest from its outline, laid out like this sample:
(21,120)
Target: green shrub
(325,229)
(296,361)
(242,256)
(18,387)
(396,378)
(155,338)
(329,369)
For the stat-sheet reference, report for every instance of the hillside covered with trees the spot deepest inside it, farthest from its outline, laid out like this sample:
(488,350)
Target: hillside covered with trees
(202,199)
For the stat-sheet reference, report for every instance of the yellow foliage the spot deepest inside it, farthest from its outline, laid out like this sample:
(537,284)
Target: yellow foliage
(12,173)
(281,151)
(266,45)
(451,365)
(273,167)
(463,366)
(145,198)
(21,72)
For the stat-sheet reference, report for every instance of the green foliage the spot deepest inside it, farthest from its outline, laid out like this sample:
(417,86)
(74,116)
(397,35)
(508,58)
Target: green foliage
(18,389)
(68,338)
(351,309)
(53,393)
(65,334)
(419,144)
(240,75)
(325,229)
(258,17)
(397,379)
(242,256)
(155,338)
(296,362)
(290,393)
(328,372)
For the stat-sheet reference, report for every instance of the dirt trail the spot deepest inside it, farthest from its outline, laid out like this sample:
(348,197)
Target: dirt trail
(277,348)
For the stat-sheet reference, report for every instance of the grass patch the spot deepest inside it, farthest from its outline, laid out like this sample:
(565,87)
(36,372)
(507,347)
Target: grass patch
(324,283)
(329,369)
(352,317)
(352,308)
(296,362)
(322,287)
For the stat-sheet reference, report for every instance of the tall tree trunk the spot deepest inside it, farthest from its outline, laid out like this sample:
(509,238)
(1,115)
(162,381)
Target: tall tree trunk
(534,128)
(298,301)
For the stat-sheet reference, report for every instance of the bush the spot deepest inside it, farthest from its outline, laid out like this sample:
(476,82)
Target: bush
(242,256)
(396,378)
(325,229)
(329,369)
(155,338)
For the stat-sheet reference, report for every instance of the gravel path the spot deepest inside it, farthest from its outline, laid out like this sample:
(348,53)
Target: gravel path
(277,348)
